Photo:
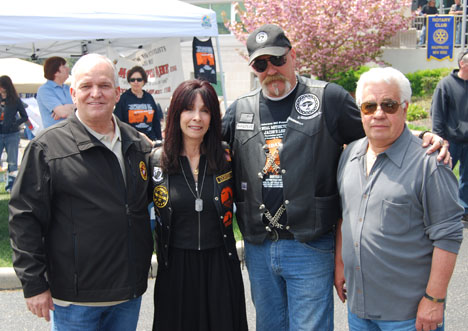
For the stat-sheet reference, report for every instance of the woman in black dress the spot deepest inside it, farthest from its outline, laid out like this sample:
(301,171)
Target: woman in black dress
(199,283)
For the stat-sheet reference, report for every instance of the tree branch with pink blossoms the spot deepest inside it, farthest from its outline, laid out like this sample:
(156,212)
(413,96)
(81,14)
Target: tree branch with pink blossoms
(329,36)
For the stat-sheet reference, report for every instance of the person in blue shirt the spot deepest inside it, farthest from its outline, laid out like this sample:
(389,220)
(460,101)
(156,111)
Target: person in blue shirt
(54,99)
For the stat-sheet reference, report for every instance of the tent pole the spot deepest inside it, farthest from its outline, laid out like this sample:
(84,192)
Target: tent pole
(221,72)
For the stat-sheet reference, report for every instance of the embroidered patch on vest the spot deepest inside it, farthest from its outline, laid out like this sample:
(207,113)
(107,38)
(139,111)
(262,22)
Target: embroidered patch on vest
(157,175)
(160,196)
(143,172)
(224,177)
(245,126)
(308,106)
(246,118)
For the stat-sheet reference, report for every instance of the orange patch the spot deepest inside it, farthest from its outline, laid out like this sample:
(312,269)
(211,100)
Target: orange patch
(143,172)
(227,197)
(227,219)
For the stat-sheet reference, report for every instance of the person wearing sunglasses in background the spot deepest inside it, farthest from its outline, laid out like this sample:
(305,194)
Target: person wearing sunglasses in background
(401,228)
(286,140)
(449,112)
(138,108)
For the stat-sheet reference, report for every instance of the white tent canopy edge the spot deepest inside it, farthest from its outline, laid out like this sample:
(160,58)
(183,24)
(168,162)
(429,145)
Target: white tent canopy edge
(44,29)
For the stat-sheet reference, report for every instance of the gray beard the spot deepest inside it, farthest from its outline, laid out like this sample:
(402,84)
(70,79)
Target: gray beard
(276,91)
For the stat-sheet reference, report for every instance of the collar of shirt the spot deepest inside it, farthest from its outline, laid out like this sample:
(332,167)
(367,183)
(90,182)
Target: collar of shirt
(396,152)
(55,85)
(102,137)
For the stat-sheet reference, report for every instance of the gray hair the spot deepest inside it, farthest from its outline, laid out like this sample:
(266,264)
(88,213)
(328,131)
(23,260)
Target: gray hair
(88,60)
(463,57)
(387,75)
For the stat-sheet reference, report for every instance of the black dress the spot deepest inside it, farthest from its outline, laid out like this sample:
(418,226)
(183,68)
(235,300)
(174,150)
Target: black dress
(201,289)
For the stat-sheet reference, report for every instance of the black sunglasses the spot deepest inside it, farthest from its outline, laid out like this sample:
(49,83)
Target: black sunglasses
(136,80)
(388,106)
(260,65)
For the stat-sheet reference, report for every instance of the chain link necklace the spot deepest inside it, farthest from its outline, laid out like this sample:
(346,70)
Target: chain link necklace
(197,196)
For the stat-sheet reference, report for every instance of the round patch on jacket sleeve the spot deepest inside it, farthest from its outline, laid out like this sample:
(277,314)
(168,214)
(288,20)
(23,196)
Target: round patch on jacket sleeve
(143,172)
(160,196)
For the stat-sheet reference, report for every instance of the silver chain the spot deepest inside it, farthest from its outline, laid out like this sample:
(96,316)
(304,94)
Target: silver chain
(198,195)
(274,220)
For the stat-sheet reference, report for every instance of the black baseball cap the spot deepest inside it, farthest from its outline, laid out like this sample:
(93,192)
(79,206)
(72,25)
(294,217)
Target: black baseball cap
(268,39)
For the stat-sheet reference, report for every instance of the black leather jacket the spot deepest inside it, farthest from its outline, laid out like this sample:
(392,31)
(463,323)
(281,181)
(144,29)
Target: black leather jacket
(76,227)
(223,199)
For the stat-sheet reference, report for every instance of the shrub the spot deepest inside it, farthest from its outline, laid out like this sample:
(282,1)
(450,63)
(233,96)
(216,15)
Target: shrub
(423,82)
(416,112)
(348,79)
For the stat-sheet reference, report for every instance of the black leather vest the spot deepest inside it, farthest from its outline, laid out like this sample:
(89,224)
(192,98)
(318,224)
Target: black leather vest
(308,159)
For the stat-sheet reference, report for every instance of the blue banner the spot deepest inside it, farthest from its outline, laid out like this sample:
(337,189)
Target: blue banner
(440,37)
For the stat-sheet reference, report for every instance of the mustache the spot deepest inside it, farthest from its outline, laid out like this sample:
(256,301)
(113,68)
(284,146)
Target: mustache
(273,78)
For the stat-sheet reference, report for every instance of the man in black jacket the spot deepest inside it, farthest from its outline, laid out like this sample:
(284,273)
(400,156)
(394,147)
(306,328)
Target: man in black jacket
(79,224)
(449,112)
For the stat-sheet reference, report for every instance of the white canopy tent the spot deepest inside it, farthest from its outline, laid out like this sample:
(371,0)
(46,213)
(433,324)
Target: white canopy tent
(69,29)
(26,76)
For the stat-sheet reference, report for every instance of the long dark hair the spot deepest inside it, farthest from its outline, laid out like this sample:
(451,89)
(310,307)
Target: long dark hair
(7,84)
(183,97)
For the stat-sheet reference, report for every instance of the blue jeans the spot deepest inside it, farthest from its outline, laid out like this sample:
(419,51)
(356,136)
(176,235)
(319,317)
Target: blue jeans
(458,34)
(361,324)
(422,38)
(292,284)
(459,152)
(121,317)
(10,142)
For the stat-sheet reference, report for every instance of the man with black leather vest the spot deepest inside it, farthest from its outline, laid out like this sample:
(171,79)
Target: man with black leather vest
(286,140)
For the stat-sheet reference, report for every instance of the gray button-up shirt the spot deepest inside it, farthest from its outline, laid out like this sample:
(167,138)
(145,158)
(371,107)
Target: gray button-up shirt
(391,221)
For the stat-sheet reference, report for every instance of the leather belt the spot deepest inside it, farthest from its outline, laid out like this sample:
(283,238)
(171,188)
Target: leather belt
(277,234)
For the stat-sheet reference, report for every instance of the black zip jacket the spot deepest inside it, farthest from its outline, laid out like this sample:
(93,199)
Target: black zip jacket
(223,200)
(74,225)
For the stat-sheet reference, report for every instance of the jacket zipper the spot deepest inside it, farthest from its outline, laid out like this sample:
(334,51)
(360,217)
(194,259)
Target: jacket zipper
(199,224)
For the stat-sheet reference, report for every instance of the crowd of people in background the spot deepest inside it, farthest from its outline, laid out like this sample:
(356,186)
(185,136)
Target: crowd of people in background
(368,220)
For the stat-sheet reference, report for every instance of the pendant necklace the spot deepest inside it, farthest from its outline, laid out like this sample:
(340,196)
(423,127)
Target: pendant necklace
(198,199)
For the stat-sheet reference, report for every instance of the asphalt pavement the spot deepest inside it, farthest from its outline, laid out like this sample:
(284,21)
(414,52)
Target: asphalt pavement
(15,316)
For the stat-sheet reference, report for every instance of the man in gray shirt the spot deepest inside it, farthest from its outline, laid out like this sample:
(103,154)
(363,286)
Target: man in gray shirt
(401,229)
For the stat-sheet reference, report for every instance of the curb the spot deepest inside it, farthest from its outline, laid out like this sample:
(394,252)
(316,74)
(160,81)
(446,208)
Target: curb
(9,280)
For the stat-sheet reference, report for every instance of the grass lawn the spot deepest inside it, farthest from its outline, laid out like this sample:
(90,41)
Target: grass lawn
(5,249)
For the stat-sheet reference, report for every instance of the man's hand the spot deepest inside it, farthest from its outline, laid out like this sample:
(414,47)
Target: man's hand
(429,315)
(145,137)
(40,304)
(438,143)
(340,281)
